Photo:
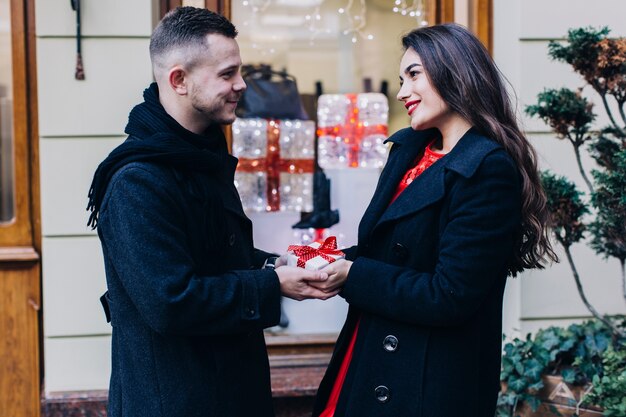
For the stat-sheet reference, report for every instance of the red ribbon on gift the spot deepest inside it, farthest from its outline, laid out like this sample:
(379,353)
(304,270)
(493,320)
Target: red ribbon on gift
(306,253)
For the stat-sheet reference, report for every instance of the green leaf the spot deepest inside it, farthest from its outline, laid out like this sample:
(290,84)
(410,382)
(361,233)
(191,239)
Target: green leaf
(569,375)
(517,385)
(534,402)
(533,369)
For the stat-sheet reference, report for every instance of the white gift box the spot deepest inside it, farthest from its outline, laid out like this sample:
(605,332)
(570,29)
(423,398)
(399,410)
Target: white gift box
(317,257)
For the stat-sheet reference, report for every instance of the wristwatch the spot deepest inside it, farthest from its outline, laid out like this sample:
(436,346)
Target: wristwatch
(270,263)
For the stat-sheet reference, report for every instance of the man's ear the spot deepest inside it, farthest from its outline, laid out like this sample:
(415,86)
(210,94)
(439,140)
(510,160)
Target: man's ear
(177,79)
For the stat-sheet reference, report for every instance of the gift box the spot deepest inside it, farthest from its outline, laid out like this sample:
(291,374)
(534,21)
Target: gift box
(351,130)
(276,163)
(314,256)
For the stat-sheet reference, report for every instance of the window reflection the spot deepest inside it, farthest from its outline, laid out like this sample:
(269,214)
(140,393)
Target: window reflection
(7,180)
(317,40)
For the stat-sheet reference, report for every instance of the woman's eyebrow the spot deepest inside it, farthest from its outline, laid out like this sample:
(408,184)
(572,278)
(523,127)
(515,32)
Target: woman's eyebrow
(410,67)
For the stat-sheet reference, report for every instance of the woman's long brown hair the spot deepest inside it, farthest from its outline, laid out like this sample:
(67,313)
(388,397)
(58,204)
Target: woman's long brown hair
(465,76)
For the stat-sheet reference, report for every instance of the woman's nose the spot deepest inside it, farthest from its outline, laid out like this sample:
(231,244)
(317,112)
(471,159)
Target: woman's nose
(402,93)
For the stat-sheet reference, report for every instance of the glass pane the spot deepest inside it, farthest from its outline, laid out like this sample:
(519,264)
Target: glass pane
(7,177)
(347,50)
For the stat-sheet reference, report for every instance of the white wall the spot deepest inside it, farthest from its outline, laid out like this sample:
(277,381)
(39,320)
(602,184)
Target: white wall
(522,31)
(80,122)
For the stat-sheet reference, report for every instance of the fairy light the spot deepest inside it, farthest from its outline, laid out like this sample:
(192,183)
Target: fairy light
(356,21)
(416,10)
(355,15)
(315,24)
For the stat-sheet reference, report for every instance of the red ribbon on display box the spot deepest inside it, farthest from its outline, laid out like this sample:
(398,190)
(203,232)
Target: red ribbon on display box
(353,130)
(274,165)
(314,256)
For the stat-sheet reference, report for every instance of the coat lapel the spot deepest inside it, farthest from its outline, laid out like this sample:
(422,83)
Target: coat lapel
(425,190)
(409,143)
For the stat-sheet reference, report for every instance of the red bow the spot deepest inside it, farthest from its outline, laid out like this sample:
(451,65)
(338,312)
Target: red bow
(305,253)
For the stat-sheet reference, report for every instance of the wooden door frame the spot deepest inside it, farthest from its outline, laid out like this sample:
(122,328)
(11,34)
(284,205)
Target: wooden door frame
(20,239)
(480,13)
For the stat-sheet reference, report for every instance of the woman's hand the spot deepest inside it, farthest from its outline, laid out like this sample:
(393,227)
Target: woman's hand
(300,284)
(337,274)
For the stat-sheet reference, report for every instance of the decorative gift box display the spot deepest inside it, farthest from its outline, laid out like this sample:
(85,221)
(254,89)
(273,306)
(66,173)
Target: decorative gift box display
(276,163)
(351,130)
(314,256)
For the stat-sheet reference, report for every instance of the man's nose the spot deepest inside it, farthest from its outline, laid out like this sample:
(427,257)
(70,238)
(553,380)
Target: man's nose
(240,84)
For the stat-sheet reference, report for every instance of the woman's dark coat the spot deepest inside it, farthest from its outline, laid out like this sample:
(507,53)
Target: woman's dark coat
(427,283)
(187,308)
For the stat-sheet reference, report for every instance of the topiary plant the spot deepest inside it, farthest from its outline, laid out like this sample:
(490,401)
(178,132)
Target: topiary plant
(601,61)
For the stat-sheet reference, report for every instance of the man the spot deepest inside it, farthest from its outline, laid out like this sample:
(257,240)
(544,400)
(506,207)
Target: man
(187,301)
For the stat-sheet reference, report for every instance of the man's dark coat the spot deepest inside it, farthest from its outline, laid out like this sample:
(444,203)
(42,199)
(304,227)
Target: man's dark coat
(427,283)
(187,306)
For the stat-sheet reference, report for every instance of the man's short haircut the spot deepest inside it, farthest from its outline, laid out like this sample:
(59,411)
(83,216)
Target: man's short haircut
(186,28)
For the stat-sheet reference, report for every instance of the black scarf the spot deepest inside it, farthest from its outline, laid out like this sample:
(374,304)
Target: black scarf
(156,137)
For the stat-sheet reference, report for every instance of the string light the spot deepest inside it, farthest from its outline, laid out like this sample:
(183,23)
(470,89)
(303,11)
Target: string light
(416,10)
(356,20)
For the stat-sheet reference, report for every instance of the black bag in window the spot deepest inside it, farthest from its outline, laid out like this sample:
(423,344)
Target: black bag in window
(270,95)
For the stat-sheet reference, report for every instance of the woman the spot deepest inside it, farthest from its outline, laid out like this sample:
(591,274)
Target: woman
(458,207)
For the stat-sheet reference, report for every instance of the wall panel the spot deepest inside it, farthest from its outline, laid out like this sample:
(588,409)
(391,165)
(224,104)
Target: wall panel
(117,71)
(67,168)
(77,364)
(98,18)
(551,19)
(72,285)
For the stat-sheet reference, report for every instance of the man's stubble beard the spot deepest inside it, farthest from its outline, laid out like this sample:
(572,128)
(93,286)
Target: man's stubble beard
(215,114)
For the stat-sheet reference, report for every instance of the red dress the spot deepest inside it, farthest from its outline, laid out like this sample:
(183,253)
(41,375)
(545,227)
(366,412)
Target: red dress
(424,160)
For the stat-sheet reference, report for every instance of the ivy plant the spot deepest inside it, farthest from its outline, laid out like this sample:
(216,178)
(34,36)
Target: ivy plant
(582,354)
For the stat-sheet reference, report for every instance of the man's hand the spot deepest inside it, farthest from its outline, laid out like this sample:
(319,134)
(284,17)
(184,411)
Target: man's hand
(337,274)
(297,283)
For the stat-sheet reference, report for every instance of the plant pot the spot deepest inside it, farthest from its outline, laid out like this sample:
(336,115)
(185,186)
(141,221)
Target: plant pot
(559,398)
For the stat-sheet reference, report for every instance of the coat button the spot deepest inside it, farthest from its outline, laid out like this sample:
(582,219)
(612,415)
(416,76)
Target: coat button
(250,312)
(231,239)
(390,343)
(400,251)
(382,393)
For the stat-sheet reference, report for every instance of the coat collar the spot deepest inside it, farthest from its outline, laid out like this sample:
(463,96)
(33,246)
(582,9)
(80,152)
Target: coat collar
(429,187)
(464,158)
